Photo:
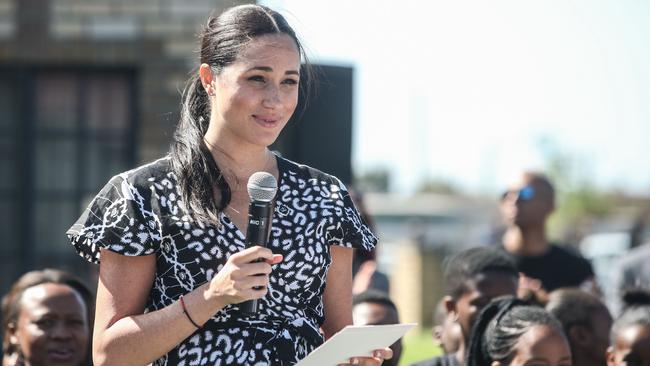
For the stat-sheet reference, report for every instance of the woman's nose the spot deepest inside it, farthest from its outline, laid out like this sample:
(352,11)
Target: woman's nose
(61,331)
(271,97)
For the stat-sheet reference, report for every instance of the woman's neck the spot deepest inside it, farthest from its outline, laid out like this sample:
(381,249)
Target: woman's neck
(237,159)
(460,353)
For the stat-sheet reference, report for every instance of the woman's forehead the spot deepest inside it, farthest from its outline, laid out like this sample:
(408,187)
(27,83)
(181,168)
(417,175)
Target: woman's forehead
(48,294)
(270,49)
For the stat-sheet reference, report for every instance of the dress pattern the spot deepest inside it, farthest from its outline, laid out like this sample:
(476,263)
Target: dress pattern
(139,213)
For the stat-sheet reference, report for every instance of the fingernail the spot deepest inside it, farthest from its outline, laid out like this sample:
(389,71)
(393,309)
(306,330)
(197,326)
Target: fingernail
(377,354)
(355,361)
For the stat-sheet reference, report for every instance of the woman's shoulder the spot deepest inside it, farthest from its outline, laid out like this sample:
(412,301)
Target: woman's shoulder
(145,175)
(302,173)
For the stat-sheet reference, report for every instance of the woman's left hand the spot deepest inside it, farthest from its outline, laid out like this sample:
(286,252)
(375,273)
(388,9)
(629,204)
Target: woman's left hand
(379,355)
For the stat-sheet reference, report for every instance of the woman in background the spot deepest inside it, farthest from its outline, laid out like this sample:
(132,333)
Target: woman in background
(509,332)
(46,320)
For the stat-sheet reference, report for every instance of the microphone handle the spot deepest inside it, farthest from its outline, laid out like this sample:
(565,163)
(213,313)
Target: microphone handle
(259,226)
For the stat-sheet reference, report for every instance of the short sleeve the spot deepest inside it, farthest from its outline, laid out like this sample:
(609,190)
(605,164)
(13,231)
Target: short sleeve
(120,219)
(350,229)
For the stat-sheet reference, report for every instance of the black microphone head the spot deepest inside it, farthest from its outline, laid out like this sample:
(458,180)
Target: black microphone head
(262,187)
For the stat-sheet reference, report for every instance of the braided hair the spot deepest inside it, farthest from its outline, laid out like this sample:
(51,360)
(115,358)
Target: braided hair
(500,325)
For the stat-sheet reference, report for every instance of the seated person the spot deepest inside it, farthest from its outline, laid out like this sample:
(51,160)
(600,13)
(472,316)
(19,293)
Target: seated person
(374,307)
(510,332)
(473,277)
(586,322)
(446,332)
(631,332)
(46,320)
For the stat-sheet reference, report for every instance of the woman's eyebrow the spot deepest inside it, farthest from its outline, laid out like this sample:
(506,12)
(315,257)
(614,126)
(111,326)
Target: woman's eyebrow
(270,69)
(536,361)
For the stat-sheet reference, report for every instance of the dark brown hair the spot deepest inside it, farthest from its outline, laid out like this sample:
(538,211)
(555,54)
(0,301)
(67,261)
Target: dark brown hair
(222,40)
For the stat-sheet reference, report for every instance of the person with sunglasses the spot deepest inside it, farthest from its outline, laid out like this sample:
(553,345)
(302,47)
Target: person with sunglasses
(525,207)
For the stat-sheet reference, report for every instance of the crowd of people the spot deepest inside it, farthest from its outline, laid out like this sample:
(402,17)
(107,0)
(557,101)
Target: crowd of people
(523,300)
(526,301)
(175,266)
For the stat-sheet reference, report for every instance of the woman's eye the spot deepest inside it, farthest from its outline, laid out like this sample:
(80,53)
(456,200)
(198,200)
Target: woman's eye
(76,322)
(257,78)
(290,82)
(44,323)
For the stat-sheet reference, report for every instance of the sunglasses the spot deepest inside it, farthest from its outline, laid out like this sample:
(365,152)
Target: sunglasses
(525,193)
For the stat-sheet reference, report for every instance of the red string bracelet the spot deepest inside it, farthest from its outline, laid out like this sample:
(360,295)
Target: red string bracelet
(188,314)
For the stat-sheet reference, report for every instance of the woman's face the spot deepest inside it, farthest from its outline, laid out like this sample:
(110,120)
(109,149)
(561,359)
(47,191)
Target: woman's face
(632,347)
(52,326)
(541,345)
(255,96)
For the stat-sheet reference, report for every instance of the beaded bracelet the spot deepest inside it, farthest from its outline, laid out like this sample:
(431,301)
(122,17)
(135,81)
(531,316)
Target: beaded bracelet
(188,314)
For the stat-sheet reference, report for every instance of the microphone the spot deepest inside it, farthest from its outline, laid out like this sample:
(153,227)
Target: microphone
(261,187)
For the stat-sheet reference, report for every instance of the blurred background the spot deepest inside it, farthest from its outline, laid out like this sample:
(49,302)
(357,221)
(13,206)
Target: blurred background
(426,108)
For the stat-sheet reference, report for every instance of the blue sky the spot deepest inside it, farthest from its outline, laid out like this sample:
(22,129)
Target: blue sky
(463,91)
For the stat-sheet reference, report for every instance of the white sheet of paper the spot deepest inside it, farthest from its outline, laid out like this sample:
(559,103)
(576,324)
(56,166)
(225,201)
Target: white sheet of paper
(354,341)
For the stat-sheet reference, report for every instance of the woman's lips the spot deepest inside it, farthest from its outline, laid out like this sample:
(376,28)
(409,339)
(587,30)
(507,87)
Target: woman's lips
(266,121)
(61,354)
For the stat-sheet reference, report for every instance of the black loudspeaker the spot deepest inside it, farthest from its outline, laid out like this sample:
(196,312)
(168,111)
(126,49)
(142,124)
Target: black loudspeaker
(320,132)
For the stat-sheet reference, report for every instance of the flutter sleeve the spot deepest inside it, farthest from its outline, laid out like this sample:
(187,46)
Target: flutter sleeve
(120,218)
(349,229)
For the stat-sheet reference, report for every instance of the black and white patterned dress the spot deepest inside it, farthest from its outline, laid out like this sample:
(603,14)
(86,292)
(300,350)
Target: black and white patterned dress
(138,213)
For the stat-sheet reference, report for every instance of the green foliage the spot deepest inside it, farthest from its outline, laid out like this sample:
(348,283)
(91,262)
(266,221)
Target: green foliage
(418,346)
(577,200)
(438,186)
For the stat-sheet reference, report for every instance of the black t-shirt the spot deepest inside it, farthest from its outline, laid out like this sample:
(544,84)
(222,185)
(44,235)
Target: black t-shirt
(446,360)
(558,267)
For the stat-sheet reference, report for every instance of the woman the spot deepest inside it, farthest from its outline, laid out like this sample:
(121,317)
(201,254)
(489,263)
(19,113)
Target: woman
(46,320)
(509,332)
(630,335)
(170,234)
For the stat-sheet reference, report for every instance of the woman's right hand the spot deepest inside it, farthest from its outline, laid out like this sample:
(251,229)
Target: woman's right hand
(242,277)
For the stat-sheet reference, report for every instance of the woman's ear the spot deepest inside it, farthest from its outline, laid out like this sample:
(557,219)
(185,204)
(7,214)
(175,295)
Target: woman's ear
(450,307)
(610,356)
(436,332)
(11,334)
(207,78)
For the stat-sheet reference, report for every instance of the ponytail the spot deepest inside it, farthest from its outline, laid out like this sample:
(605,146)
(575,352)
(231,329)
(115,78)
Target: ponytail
(196,170)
